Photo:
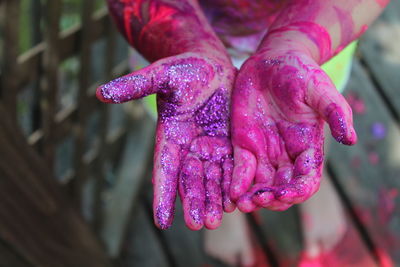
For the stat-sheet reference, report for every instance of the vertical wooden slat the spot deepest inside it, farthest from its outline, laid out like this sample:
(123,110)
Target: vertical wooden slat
(37,36)
(50,80)
(103,125)
(371,186)
(84,77)
(10,53)
(37,221)
(35,18)
(8,257)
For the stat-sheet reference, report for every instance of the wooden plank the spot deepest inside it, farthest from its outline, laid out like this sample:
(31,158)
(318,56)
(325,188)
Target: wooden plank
(37,222)
(64,119)
(9,54)
(50,79)
(183,247)
(141,246)
(114,145)
(35,19)
(82,111)
(281,231)
(8,257)
(381,52)
(120,199)
(69,46)
(368,172)
(284,232)
(104,125)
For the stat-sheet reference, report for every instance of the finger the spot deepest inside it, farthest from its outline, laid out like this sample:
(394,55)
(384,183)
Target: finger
(217,149)
(227,168)
(165,180)
(192,193)
(265,171)
(262,195)
(284,174)
(333,108)
(265,196)
(135,85)
(299,192)
(243,172)
(245,203)
(309,160)
(307,176)
(211,148)
(213,202)
(271,156)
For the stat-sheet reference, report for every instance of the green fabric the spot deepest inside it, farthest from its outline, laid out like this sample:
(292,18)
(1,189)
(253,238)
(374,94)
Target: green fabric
(338,69)
(150,103)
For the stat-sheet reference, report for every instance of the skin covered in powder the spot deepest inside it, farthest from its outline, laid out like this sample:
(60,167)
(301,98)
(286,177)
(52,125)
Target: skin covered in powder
(277,132)
(281,99)
(304,35)
(193,78)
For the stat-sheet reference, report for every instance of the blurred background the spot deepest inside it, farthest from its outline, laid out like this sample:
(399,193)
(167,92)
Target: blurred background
(75,174)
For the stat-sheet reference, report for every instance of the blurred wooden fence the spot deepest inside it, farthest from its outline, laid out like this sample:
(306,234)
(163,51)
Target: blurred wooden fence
(71,167)
(66,183)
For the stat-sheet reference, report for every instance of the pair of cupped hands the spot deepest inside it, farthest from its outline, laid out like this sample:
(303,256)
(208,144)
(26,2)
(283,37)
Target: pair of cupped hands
(250,138)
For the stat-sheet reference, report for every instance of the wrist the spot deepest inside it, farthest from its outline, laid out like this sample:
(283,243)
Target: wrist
(306,37)
(178,34)
(214,52)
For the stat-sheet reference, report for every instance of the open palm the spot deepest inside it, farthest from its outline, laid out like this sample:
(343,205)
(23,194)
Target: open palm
(280,102)
(193,153)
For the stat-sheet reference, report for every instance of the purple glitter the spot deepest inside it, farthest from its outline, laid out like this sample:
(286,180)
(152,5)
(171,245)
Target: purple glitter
(213,116)
(196,210)
(337,124)
(164,216)
(126,88)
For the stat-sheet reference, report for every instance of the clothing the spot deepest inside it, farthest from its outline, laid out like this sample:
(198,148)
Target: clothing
(338,68)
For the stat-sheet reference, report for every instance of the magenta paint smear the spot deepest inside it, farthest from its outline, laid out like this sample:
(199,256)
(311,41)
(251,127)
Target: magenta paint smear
(357,103)
(315,32)
(345,19)
(387,204)
(349,251)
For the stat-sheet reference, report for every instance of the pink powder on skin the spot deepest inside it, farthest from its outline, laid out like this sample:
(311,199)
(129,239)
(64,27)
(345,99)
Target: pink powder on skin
(314,32)
(274,139)
(280,101)
(346,27)
(383,3)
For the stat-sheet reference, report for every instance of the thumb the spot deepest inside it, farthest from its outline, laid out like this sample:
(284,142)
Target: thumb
(333,107)
(135,85)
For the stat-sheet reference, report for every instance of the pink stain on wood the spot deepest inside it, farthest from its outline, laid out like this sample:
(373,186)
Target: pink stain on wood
(383,3)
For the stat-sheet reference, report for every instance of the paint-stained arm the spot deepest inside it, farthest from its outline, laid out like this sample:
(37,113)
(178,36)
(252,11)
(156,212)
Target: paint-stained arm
(163,28)
(322,27)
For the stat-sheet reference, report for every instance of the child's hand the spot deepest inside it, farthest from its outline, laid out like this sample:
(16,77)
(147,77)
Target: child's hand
(193,151)
(280,102)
